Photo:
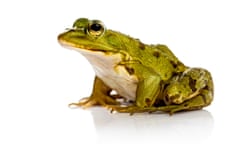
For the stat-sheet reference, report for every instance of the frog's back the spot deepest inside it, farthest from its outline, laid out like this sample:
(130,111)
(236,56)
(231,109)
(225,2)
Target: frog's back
(164,62)
(164,51)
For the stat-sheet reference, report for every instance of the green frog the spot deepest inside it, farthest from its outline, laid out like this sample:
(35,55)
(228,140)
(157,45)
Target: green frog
(146,78)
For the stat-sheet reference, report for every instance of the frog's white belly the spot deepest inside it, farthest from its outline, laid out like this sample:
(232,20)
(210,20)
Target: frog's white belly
(113,75)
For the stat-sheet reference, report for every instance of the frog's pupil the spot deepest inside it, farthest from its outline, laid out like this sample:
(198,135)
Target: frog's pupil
(96,27)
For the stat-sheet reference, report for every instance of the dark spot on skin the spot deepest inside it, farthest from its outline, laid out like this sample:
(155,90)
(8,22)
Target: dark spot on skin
(175,65)
(141,46)
(185,86)
(156,54)
(172,98)
(131,101)
(206,88)
(165,75)
(130,70)
(148,101)
(192,84)
(159,103)
(185,105)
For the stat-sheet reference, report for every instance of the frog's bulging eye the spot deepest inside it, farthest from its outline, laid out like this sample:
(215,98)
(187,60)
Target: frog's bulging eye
(96,28)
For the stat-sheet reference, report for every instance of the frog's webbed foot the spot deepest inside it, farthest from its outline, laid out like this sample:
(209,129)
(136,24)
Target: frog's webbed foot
(100,96)
(95,101)
(135,109)
(171,109)
(84,103)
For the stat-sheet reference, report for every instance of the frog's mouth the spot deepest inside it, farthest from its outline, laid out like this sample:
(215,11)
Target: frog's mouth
(73,46)
(92,53)
(71,40)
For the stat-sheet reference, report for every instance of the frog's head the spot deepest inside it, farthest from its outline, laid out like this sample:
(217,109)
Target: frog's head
(92,35)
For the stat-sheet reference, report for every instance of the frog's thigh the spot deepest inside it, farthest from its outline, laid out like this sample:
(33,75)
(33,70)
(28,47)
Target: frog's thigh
(195,103)
(197,85)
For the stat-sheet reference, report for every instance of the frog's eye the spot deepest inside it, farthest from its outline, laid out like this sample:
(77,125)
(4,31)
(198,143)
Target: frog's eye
(96,28)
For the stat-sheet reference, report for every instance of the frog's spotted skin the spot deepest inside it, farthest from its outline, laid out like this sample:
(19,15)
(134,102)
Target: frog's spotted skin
(148,77)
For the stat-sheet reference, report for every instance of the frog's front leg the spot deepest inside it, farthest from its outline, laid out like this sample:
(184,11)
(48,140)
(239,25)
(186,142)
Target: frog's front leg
(100,96)
(146,95)
(148,89)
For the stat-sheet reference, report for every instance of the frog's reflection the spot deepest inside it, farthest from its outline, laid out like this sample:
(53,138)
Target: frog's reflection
(188,127)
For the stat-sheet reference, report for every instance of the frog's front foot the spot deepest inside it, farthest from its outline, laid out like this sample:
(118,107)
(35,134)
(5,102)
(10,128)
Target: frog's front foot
(84,103)
(95,101)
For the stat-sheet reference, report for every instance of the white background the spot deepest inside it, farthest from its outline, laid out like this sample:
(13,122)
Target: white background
(38,78)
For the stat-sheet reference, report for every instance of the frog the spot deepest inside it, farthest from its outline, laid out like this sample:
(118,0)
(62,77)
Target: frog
(146,78)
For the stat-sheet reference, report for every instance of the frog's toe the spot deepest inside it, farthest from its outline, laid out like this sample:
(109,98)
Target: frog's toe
(94,101)
(84,103)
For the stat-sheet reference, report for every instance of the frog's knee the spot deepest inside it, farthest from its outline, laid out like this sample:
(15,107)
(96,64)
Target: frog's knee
(192,82)
(198,78)
(201,80)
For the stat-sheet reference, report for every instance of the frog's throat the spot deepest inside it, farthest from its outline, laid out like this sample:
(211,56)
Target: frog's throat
(107,68)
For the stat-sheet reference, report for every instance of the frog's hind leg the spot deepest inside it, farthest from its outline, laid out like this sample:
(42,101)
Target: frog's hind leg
(190,91)
(195,103)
